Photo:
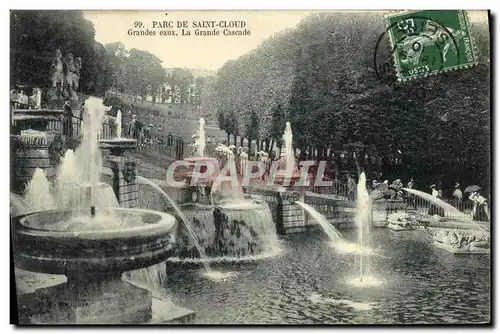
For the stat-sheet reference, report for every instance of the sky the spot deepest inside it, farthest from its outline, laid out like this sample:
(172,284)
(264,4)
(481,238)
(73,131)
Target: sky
(201,52)
(206,52)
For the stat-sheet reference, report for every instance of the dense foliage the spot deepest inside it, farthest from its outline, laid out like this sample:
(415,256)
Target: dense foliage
(320,76)
(35,36)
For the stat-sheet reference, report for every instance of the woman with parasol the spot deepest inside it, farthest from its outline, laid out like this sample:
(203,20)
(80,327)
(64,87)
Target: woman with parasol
(480,204)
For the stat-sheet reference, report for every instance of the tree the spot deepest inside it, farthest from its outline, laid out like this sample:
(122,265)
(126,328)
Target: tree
(35,36)
(208,99)
(277,124)
(181,78)
(144,73)
(118,55)
(231,125)
(439,127)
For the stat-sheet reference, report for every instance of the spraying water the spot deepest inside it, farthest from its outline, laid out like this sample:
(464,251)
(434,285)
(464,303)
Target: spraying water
(69,194)
(88,153)
(119,124)
(257,237)
(332,233)
(228,190)
(201,138)
(153,278)
(37,195)
(336,239)
(73,192)
(363,220)
(187,223)
(448,209)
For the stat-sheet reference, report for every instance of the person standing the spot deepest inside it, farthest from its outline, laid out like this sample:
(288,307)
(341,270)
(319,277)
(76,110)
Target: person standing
(480,209)
(434,191)
(410,199)
(131,126)
(351,188)
(433,209)
(138,132)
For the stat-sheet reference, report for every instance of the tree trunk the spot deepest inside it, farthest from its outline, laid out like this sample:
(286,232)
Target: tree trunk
(235,137)
(338,164)
(228,138)
(242,140)
(302,154)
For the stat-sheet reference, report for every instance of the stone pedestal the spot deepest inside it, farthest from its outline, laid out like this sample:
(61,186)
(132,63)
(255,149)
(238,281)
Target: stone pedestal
(49,299)
(124,181)
(124,171)
(293,215)
(30,152)
(382,208)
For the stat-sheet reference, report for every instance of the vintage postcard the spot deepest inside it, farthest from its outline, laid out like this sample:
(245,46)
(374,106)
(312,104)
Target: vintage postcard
(250,167)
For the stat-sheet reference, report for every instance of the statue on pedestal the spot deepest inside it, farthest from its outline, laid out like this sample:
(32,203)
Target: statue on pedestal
(65,77)
(35,100)
(57,76)
(76,74)
(72,76)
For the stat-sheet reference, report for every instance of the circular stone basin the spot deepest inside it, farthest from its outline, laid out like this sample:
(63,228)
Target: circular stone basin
(115,240)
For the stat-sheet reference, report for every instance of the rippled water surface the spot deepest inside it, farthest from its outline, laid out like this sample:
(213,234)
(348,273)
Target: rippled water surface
(311,283)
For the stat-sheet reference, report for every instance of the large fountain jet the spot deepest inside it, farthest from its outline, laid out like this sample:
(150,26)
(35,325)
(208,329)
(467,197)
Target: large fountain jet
(89,148)
(38,196)
(363,220)
(448,209)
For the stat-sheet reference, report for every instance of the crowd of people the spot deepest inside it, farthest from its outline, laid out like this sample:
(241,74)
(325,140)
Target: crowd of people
(394,190)
(143,133)
(378,189)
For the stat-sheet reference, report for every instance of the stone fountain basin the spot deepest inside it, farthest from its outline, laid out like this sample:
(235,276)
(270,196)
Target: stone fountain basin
(53,251)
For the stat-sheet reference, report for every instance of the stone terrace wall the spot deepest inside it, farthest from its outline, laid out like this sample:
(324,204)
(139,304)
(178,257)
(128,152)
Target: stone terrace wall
(150,198)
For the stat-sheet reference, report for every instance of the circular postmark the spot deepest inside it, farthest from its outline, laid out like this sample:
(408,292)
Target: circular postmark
(419,46)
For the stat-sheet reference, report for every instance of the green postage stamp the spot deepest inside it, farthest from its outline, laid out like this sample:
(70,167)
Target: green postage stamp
(430,41)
